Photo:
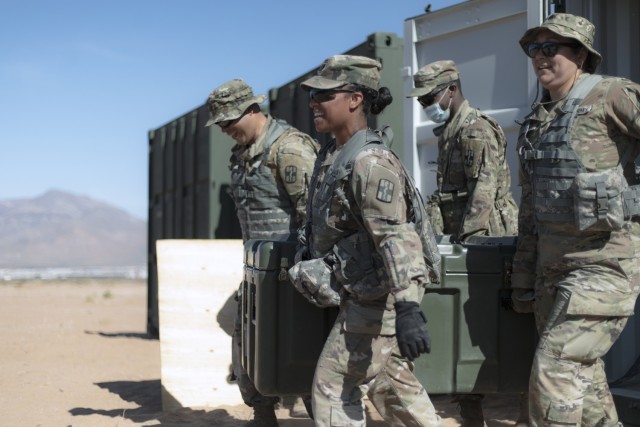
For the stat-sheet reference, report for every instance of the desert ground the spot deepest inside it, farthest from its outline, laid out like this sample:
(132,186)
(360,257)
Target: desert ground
(76,353)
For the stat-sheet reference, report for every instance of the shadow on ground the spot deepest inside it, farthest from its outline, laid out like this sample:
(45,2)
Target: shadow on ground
(148,396)
(138,335)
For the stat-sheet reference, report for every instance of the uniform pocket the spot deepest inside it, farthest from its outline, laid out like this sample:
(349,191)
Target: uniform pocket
(565,413)
(369,320)
(598,201)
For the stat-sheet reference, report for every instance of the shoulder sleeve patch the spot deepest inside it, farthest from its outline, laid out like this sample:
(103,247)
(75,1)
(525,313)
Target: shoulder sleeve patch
(290,174)
(385,190)
(382,193)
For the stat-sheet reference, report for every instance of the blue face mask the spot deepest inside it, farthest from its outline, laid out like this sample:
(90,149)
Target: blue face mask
(435,113)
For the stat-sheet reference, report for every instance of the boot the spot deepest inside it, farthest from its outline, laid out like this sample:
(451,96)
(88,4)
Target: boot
(523,417)
(471,410)
(301,407)
(263,416)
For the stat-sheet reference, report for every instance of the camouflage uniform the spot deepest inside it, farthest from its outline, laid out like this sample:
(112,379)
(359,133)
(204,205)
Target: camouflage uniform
(585,279)
(286,162)
(473,192)
(269,182)
(473,195)
(362,220)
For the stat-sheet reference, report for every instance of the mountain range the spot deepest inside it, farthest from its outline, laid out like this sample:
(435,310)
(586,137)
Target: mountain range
(60,229)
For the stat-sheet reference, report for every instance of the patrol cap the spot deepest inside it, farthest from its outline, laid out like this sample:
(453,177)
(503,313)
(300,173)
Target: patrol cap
(571,26)
(230,100)
(432,76)
(341,70)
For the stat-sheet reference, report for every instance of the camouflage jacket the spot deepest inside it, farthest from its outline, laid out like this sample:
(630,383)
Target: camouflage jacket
(363,219)
(473,178)
(289,163)
(608,127)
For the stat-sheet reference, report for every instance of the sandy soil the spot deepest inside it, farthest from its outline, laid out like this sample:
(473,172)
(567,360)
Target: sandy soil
(77,354)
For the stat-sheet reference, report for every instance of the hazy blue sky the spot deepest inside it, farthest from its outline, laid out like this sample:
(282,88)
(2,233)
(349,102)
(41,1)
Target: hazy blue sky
(82,82)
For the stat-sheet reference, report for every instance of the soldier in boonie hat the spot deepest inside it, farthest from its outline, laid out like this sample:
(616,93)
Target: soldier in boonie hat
(230,100)
(570,26)
(580,116)
(433,76)
(270,166)
(341,70)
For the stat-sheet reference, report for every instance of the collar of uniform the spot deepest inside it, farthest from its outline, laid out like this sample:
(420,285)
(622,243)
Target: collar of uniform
(453,127)
(256,148)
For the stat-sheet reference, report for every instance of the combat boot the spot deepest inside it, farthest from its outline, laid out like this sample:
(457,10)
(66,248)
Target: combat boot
(523,417)
(471,410)
(263,416)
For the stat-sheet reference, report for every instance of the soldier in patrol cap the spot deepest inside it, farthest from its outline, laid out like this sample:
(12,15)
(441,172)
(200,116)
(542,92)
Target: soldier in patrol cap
(361,234)
(473,182)
(271,166)
(576,265)
(473,195)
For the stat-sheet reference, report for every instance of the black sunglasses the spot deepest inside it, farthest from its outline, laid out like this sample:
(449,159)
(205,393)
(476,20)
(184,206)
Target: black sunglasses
(324,95)
(549,49)
(226,123)
(428,99)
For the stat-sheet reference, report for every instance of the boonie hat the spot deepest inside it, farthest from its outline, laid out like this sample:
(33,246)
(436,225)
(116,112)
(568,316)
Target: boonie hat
(571,26)
(341,70)
(432,76)
(230,100)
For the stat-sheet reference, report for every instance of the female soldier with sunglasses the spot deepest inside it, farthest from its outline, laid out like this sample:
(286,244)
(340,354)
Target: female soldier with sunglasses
(361,238)
(576,263)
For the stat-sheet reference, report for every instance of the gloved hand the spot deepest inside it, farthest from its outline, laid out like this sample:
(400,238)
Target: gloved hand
(522,300)
(411,330)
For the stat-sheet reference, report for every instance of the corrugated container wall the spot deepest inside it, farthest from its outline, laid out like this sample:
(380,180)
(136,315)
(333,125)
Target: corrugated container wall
(188,182)
(291,103)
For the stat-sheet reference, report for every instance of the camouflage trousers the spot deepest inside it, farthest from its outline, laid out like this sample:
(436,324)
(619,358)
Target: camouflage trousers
(568,384)
(250,395)
(351,361)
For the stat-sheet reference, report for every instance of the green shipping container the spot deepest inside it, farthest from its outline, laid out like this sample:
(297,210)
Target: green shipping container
(188,183)
(283,334)
(478,343)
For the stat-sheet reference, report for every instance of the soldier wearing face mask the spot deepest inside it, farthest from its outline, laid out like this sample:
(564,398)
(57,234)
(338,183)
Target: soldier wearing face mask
(473,194)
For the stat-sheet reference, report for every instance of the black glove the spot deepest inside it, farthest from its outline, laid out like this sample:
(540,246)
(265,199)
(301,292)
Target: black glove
(454,238)
(522,300)
(411,330)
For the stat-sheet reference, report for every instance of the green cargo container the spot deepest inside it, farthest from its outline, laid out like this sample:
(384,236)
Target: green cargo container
(479,343)
(283,334)
(188,182)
